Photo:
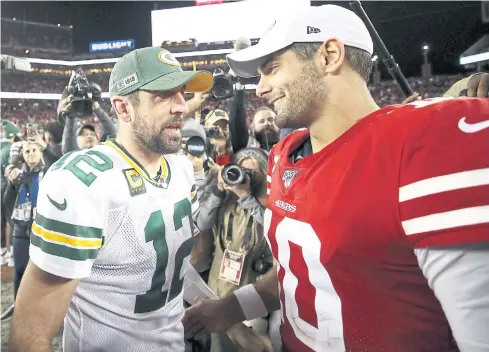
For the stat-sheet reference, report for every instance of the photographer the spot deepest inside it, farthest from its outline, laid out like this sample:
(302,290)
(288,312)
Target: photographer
(24,180)
(83,138)
(234,210)
(264,132)
(217,131)
(35,134)
(11,134)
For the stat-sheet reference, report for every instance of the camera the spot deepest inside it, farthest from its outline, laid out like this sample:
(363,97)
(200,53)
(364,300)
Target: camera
(81,90)
(233,174)
(195,146)
(223,85)
(212,132)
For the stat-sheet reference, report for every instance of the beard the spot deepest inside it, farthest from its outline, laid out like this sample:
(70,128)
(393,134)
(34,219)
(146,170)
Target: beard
(267,138)
(152,138)
(307,93)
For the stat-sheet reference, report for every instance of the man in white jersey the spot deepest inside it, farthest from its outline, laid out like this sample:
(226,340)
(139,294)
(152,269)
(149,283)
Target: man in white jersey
(113,230)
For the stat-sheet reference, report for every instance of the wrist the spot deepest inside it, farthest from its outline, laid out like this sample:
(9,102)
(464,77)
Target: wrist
(231,304)
(251,305)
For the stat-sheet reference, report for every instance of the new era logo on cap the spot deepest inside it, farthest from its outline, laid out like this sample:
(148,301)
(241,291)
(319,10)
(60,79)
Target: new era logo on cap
(313,30)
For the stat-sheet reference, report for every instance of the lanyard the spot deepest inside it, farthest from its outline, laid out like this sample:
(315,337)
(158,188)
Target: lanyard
(229,234)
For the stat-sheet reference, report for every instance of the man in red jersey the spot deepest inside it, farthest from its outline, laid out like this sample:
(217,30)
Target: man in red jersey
(378,218)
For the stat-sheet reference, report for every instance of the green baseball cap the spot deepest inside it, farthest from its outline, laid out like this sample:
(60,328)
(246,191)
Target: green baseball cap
(155,69)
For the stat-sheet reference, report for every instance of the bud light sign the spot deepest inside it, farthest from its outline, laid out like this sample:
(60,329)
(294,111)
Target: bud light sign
(114,45)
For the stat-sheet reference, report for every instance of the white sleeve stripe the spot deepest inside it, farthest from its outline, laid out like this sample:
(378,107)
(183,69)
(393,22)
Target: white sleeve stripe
(444,183)
(447,220)
(269,178)
(268,191)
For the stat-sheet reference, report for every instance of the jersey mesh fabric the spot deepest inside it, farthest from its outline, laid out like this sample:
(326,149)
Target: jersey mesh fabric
(101,315)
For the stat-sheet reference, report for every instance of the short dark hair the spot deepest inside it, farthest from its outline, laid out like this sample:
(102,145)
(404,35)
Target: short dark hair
(359,60)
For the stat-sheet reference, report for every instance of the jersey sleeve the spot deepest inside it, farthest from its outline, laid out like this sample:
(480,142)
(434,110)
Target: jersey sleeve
(444,173)
(68,229)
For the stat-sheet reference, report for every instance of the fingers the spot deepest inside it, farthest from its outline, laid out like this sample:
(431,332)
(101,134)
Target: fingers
(196,330)
(483,88)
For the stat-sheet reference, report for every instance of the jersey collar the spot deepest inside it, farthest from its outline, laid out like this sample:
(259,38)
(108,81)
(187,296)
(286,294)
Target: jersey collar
(164,179)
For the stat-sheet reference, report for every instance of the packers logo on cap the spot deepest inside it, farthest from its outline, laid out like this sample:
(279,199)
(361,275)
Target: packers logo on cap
(167,58)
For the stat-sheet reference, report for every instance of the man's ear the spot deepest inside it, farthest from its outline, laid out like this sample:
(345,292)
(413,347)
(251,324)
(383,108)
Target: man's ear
(121,108)
(332,55)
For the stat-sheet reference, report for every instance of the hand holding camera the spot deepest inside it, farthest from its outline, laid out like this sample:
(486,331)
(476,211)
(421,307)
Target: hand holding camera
(232,178)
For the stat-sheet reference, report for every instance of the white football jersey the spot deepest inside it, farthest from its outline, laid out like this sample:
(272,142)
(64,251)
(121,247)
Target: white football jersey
(102,219)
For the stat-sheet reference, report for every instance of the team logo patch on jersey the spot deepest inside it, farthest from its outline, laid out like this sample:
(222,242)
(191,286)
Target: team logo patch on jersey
(167,58)
(288,176)
(135,182)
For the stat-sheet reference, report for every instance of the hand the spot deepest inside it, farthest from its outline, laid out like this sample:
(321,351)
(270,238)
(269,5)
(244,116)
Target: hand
(478,86)
(411,98)
(39,140)
(12,174)
(241,189)
(220,144)
(207,316)
(220,181)
(201,98)
(66,104)
(247,340)
(96,94)
(197,162)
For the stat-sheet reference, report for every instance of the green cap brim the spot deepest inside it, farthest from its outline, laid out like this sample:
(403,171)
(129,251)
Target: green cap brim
(194,82)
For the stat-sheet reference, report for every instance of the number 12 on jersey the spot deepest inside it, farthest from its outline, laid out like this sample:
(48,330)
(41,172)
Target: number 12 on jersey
(155,231)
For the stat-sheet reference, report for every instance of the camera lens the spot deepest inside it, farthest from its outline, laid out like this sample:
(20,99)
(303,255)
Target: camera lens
(232,174)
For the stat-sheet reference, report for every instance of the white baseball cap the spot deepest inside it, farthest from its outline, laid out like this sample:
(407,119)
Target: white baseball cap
(314,24)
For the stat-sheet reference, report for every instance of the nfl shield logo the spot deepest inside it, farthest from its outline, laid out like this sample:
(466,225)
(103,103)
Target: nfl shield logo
(288,177)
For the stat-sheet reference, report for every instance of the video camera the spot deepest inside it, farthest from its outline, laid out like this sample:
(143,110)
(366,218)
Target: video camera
(82,91)
(224,84)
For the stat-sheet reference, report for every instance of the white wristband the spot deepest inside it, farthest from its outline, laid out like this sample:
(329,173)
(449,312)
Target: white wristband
(250,302)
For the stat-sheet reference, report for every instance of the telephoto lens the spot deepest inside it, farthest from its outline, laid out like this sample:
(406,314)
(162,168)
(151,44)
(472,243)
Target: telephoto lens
(233,175)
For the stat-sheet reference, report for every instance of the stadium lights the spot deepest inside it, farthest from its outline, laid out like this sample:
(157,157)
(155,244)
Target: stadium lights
(426,47)
(472,59)
(59,25)
(15,18)
(113,60)
(27,51)
(71,26)
(57,96)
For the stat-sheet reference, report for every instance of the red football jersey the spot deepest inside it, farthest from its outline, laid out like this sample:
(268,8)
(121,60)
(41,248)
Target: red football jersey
(343,224)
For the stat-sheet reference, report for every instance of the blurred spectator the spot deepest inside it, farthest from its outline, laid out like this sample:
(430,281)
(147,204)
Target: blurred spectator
(86,135)
(11,133)
(235,214)
(218,121)
(24,183)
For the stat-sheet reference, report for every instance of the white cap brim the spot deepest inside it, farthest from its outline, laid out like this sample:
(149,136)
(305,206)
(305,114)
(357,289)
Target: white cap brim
(245,63)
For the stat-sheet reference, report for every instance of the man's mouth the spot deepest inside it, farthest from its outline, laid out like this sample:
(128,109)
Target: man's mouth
(175,126)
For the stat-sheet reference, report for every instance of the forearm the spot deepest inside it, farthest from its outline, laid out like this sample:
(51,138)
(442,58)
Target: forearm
(209,208)
(68,143)
(108,127)
(267,289)
(40,306)
(237,122)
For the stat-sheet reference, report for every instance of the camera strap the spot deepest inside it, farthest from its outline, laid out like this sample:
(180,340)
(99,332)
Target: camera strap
(229,234)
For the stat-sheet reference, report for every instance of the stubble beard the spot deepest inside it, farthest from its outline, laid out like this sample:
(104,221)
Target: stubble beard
(306,95)
(153,139)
